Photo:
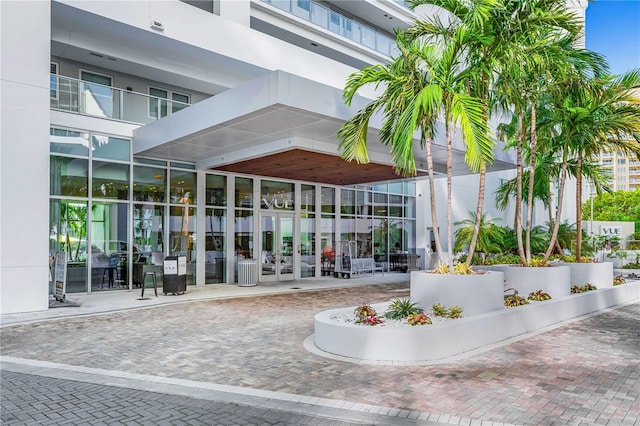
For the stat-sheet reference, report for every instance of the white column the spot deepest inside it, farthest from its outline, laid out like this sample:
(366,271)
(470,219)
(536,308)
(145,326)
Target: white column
(24,155)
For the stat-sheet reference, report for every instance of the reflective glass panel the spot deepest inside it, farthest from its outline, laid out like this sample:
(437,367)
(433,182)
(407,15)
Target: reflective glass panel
(149,184)
(110,148)
(182,237)
(215,248)
(110,180)
(68,233)
(308,199)
(380,204)
(68,142)
(347,201)
(276,195)
(109,246)
(216,190)
(244,192)
(68,176)
(182,187)
(308,246)
(243,237)
(396,205)
(327,244)
(328,200)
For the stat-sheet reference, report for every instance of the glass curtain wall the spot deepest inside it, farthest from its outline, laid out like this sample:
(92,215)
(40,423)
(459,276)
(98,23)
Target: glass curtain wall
(182,218)
(327,229)
(308,231)
(216,229)
(243,221)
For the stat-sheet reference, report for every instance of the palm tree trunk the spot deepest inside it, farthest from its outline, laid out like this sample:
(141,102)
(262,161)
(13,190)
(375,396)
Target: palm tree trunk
(449,179)
(476,228)
(551,221)
(432,199)
(532,168)
(556,226)
(518,214)
(579,208)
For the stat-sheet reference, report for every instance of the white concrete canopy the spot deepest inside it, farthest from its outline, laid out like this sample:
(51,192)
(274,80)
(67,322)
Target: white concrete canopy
(272,114)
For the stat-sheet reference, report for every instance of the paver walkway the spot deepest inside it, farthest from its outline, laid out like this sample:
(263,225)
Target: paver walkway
(585,372)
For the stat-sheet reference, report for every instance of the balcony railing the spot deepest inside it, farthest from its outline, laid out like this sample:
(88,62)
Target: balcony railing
(83,97)
(333,21)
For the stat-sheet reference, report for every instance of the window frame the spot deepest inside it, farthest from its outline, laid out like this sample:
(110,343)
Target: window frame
(169,99)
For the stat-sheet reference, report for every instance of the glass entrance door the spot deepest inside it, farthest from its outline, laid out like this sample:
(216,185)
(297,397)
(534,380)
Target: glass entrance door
(277,260)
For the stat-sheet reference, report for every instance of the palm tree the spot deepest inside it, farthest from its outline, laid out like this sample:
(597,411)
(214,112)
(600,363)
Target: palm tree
(611,118)
(424,82)
(488,238)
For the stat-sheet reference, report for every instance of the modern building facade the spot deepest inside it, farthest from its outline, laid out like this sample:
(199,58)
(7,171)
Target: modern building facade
(136,130)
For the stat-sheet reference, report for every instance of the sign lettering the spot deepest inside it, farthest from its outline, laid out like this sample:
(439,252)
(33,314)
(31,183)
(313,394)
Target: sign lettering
(611,230)
(273,201)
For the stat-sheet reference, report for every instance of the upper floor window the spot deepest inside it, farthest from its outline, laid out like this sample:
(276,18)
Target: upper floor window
(97,93)
(165,101)
(53,81)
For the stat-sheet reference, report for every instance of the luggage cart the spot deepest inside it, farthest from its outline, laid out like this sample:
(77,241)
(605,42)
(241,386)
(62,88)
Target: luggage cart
(345,252)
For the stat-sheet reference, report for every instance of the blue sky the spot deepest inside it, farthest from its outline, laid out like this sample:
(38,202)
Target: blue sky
(613,29)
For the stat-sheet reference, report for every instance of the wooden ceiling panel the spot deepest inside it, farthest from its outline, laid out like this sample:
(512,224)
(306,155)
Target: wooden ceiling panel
(298,164)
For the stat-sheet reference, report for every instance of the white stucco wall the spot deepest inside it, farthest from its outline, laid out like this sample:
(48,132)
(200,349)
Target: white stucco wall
(24,156)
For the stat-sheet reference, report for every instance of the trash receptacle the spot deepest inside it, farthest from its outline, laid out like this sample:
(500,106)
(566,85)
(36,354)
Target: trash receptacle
(174,278)
(247,273)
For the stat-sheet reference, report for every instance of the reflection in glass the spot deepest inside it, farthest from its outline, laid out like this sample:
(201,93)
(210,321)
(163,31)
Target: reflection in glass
(68,233)
(182,237)
(109,246)
(308,199)
(216,190)
(149,184)
(216,239)
(308,246)
(276,195)
(110,180)
(327,244)
(347,201)
(148,222)
(244,193)
(396,205)
(68,176)
(182,187)
(110,148)
(328,200)
(64,141)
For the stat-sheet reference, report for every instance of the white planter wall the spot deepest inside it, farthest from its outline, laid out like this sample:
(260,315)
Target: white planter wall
(439,341)
(555,280)
(598,274)
(475,294)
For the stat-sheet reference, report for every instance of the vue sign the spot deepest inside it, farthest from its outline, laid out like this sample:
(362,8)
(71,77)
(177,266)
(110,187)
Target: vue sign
(614,231)
(271,202)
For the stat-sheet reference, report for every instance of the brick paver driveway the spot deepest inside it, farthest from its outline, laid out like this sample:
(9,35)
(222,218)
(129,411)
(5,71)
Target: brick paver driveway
(585,372)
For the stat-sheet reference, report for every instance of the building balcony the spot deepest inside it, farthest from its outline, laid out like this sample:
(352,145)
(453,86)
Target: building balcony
(335,22)
(86,98)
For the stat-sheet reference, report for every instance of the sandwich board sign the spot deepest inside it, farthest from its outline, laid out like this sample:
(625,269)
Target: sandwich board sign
(60,276)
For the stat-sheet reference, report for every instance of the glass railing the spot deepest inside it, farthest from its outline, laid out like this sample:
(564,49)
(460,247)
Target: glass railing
(333,21)
(83,97)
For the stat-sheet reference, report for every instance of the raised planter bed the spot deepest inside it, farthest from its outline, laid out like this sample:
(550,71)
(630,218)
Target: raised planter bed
(475,294)
(555,280)
(436,342)
(598,274)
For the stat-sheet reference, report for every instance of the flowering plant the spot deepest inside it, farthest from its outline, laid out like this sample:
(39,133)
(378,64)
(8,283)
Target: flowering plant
(371,320)
(418,319)
(617,280)
(365,311)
